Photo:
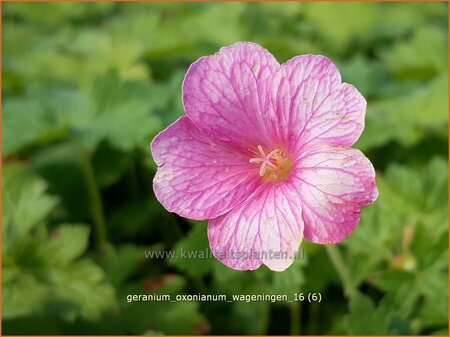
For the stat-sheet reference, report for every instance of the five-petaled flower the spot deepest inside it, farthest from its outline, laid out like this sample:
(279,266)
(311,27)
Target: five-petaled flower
(264,152)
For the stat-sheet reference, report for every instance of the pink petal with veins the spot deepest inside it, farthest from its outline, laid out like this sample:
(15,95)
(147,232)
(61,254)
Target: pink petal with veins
(196,177)
(333,184)
(227,95)
(314,106)
(268,223)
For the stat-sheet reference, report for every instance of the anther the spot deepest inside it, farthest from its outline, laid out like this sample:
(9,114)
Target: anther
(264,160)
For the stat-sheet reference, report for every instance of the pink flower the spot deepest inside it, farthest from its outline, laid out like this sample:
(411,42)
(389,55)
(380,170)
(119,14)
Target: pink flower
(264,152)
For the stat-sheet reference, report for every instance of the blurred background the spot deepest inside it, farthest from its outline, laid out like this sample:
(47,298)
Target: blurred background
(86,86)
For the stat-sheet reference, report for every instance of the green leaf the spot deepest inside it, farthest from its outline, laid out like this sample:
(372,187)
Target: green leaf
(122,262)
(28,122)
(195,247)
(187,315)
(52,14)
(109,116)
(408,228)
(25,204)
(114,110)
(424,55)
(22,294)
(79,289)
(340,23)
(222,24)
(364,318)
(49,286)
(365,74)
(400,19)
(408,118)
(66,243)
(42,272)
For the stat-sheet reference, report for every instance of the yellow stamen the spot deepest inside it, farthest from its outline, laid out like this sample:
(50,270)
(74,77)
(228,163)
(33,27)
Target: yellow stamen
(275,166)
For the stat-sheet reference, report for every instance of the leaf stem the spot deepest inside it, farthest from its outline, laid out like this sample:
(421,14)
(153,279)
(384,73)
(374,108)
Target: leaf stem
(95,204)
(341,268)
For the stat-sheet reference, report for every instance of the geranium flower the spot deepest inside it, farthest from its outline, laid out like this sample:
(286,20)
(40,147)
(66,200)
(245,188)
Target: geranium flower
(264,153)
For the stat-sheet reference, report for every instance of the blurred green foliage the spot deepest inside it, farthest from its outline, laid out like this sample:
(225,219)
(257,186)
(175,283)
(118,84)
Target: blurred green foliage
(86,86)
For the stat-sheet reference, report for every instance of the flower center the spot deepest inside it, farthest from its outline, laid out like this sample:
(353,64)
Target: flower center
(273,166)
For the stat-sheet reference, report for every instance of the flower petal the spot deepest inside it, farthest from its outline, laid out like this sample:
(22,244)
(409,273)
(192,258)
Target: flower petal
(196,177)
(227,95)
(314,106)
(265,228)
(334,183)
